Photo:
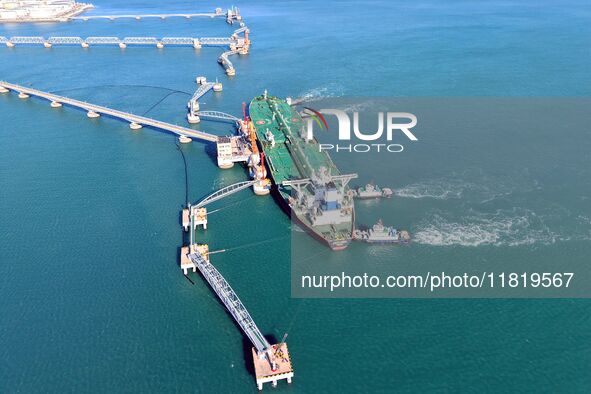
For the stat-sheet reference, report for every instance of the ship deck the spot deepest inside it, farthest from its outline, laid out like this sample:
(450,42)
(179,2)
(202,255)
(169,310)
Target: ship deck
(293,158)
(290,158)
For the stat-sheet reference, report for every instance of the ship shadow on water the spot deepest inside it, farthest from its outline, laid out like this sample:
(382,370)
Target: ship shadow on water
(363,227)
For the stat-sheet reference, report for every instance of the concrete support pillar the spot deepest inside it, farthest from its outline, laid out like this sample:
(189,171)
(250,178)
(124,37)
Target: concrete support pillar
(193,119)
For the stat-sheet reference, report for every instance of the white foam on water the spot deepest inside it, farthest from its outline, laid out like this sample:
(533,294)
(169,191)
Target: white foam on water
(484,188)
(438,189)
(320,93)
(359,107)
(504,228)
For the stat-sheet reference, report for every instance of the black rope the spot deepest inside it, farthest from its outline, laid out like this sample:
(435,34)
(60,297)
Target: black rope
(178,147)
(121,86)
(158,102)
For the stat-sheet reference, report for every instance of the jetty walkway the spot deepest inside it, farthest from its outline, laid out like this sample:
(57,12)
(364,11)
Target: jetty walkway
(272,362)
(237,43)
(141,16)
(137,41)
(197,215)
(135,121)
(232,303)
(217,282)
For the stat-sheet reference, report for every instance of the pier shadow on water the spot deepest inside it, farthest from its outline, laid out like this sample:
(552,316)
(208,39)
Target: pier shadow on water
(247,350)
(211,152)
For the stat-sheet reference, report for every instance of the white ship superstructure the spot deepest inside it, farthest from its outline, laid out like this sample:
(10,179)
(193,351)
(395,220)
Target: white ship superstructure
(39,10)
(325,202)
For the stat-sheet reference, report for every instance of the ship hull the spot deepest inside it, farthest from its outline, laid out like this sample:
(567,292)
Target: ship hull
(287,157)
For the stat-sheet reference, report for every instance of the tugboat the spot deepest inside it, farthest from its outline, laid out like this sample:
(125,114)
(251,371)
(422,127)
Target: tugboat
(381,234)
(371,191)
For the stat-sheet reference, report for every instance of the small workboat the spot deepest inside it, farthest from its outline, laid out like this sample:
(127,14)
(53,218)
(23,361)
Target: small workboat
(371,191)
(379,233)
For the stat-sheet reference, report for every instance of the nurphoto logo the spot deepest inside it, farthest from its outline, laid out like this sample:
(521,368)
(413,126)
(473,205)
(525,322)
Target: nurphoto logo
(395,121)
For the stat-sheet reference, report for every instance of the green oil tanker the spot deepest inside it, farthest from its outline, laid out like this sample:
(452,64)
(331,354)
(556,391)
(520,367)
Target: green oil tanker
(307,184)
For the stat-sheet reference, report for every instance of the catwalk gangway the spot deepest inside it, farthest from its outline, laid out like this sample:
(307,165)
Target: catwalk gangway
(231,301)
(217,115)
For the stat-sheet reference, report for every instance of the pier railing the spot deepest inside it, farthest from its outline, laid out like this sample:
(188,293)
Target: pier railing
(73,40)
(223,192)
(231,301)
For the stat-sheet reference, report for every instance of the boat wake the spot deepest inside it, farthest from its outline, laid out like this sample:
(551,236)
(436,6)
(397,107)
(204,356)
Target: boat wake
(486,188)
(516,227)
(437,189)
(319,93)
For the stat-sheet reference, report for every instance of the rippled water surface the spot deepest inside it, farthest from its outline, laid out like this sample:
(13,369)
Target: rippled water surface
(92,298)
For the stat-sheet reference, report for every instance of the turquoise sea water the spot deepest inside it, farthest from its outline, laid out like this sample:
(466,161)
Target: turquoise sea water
(91,296)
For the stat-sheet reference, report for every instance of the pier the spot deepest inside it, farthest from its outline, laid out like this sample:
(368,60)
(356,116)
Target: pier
(142,16)
(95,111)
(226,63)
(194,42)
(193,104)
(194,116)
(20,15)
(272,362)
(229,14)
(238,42)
